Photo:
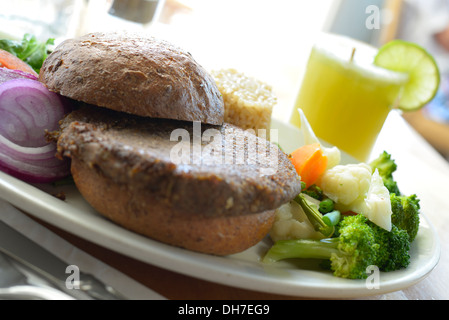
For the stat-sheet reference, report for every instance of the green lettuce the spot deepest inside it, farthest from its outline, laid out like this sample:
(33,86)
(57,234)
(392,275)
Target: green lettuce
(29,49)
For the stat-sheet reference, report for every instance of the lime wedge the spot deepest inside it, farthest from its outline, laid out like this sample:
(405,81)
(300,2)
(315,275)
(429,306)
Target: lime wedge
(424,75)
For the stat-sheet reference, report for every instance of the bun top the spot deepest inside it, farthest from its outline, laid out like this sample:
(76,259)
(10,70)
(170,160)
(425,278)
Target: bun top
(136,74)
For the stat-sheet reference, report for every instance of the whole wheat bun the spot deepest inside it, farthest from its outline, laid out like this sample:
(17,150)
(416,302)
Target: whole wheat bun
(136,74)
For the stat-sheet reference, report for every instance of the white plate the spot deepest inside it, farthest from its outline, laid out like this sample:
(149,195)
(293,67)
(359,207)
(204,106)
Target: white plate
(243,270)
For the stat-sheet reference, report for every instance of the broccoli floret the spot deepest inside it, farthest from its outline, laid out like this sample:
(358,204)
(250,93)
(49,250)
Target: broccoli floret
(406,213)
(313,191)
(394,248)
(386,167)
(350,254)
(385,164)
(359,244)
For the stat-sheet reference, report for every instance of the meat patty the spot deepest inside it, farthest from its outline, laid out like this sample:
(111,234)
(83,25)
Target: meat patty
(221,178)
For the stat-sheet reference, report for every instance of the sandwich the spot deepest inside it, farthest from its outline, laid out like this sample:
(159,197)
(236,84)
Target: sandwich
(150,150)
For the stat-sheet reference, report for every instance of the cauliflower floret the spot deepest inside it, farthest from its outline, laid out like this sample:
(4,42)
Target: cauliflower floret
(345,184)
(292,223)
(355,188)
(377,204)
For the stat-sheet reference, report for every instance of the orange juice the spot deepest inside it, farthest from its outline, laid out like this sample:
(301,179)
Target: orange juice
(345,98)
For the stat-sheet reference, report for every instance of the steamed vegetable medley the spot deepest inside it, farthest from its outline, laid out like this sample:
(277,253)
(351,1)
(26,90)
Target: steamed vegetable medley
(350,216)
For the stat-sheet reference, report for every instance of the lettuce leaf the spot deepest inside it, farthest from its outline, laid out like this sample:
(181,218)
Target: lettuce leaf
(30,50)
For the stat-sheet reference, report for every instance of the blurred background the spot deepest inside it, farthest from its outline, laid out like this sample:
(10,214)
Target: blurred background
(269,40)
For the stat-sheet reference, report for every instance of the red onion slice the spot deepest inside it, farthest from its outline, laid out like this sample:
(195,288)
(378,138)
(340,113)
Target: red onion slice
(27,110)
(38,165)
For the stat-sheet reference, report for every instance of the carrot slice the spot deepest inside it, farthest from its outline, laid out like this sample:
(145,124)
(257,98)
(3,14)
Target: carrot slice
(10,61)
(309,162)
